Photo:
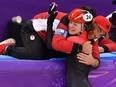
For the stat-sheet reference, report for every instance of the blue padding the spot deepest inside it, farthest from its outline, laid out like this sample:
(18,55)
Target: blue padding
(113,53)
(59,59)
(108,56)
(103,57)
(5,57)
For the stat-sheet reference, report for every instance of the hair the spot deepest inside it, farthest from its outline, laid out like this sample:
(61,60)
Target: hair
(91,10)
(90,28)
(89,25)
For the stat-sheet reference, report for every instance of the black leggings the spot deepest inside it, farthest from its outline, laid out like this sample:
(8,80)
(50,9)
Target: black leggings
(34,47)
(76,73)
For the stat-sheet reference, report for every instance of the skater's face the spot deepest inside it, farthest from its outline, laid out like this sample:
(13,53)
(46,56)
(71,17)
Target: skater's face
(75,28)
(96,33)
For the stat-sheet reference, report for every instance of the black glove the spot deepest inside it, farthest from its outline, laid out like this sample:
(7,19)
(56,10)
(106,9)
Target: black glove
(52,13)
(51,16)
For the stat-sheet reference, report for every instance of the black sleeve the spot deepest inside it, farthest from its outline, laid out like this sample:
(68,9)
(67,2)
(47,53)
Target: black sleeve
(100,39)
(105,48)
(65,20)
(49,36)
(76,48)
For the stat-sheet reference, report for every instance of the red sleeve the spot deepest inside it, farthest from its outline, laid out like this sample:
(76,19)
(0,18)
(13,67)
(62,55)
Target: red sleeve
(109,44)
(95,50)
(81,39)
(75,39)
(41,15)
(60,43)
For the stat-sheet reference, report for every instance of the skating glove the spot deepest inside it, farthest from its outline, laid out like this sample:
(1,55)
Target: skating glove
(52,13)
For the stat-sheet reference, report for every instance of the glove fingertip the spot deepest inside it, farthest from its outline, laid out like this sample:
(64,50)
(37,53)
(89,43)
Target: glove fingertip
(54,3)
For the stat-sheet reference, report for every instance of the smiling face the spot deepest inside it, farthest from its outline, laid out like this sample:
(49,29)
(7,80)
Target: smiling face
(96,33)
(75,28)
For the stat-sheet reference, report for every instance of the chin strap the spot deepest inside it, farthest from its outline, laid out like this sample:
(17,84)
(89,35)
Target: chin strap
(82,29)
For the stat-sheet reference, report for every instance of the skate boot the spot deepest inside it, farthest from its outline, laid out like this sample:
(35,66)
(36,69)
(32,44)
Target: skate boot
(4,44)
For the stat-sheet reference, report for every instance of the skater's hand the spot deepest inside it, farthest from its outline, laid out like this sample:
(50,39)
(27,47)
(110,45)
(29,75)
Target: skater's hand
(87,47)
(52,13)
(88,59)
(101,49)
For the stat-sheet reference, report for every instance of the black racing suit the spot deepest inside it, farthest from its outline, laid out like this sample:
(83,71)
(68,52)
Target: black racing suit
(34,47)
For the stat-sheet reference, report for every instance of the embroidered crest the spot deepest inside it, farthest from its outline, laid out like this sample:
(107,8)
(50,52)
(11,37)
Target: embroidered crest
(32,37)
